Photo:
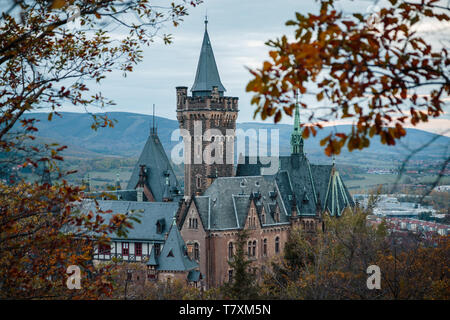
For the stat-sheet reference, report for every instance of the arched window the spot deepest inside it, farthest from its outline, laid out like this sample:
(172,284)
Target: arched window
(303,225)
(230,250)
(254,248)
(265,247)
(249,248)
(196,251)
(277,244)
(199,182)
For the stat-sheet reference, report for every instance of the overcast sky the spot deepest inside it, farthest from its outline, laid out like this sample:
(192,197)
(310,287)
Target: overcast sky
(238,30)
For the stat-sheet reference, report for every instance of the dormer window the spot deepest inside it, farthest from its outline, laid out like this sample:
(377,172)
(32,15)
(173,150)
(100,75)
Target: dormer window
(159,227)
(170,254)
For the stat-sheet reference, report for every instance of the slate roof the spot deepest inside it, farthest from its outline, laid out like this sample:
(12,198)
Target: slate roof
(174,255)
(207,74)
(313,185)
(225,204)
(147,212)
(156,162)
(301,181)
(153,259)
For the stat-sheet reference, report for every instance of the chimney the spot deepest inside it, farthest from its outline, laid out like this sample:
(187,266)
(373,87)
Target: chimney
(140,194)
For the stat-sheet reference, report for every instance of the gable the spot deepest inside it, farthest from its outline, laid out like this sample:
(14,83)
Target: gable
(190,214)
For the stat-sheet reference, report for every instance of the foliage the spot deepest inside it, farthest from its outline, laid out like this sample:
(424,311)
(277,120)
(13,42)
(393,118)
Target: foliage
(381,74)
(42,233)
(49,55)
(243,284)
(333,265)
(48,58)
(139,288)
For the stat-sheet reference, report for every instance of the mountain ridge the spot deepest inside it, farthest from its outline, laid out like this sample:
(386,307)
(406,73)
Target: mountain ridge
(128,136)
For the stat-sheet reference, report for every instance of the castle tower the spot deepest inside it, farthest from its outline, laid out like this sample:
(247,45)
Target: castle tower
(210,119)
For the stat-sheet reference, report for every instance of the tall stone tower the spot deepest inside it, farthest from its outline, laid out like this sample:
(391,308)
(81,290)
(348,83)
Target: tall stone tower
(210,119)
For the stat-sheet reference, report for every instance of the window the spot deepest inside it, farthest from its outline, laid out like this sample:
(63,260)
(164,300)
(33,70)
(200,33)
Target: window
(196,251)
(170,254)
(263,218)
(265,247)
(230,250)
(157,248)
(138,249)
(254,248)
(230,275)
(159,227)
(190,223)
(125,248)
(249,248)
(277,244)
(277,216)
(104,249)
(199,182)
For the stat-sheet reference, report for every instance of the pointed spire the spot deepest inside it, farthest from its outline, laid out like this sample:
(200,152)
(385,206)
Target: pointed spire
(207,76)
(153,130)
(296,136)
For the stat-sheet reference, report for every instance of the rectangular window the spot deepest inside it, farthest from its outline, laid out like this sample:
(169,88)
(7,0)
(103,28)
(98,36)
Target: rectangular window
(230,275)
(125,248)
(157,249)
(138,249)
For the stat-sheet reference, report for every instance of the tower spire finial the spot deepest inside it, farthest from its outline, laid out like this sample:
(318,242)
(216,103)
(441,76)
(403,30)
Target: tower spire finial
(206,19)
(296,136)
(153,128)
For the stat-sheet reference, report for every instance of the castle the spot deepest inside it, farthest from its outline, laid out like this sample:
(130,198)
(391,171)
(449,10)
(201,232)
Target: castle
(220,199)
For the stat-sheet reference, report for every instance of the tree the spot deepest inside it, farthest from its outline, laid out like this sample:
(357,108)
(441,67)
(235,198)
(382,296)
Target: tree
(50,51)
(42,233)
(334,264)
(243,283)
(381,75)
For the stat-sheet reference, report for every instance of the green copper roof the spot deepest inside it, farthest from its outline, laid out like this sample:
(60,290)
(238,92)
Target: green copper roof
(207,74)
(296,136)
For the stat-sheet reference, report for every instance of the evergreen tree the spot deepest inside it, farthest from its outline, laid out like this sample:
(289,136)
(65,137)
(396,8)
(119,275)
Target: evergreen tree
(243,284)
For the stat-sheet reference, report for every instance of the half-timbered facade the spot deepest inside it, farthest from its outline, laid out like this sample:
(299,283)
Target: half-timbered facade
(155,241)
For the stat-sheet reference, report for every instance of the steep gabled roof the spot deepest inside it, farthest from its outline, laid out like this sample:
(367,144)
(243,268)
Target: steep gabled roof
(149,213)
(301,181)
(225,204)
(156,162)
(207,74)
(174,256)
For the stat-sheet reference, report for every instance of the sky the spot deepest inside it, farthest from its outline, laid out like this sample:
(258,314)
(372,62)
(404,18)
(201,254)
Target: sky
(238,30)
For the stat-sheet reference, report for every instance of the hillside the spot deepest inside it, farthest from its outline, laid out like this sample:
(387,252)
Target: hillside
(128,136)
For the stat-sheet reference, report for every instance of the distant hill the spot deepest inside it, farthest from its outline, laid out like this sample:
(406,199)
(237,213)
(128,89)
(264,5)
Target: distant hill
(129,134)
